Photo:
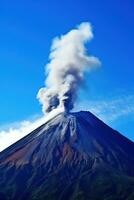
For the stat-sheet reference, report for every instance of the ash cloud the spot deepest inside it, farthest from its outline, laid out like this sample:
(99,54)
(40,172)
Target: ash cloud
(65,70)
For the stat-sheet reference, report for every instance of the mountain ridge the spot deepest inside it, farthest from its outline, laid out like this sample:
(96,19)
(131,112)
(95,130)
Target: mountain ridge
(69,152)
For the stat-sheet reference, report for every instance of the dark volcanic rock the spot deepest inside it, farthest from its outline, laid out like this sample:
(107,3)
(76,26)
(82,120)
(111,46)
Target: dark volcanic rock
(71,157)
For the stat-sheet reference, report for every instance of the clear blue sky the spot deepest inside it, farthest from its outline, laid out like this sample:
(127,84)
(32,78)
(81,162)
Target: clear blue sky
(26,31)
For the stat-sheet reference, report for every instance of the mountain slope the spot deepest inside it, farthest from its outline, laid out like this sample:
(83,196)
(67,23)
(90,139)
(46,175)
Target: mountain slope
(71,157)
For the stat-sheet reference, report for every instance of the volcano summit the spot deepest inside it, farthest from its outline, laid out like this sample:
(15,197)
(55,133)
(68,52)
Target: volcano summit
(71,157)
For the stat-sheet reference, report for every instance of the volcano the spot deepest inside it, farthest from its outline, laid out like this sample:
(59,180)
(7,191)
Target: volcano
(71,157)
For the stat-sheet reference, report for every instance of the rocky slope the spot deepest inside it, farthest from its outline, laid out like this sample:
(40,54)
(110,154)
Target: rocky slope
(71,157)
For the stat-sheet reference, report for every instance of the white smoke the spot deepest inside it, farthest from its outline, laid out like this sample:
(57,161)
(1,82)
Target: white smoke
(68,62)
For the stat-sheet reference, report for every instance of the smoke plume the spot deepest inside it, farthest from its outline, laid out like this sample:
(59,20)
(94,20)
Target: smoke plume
(65,71)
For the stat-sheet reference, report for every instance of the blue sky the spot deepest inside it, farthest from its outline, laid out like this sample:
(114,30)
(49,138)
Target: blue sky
(27,29)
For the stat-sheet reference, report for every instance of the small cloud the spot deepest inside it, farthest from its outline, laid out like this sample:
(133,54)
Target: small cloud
(110,110)
(18,130)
